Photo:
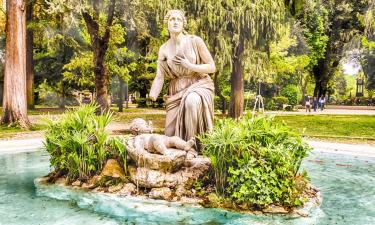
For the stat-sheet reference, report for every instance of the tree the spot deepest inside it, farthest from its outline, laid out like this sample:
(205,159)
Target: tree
(54,44)
(15,102)
(99,45)
(368,48)
(330,26)
(2,47)
(368,62)
(29,56)
(99,17)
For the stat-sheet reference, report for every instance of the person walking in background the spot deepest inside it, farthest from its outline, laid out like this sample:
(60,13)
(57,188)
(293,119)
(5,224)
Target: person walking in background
(307,103)
(315,103)
(321,102)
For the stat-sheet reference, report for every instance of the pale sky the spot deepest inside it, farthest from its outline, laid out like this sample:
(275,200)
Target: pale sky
(351,68)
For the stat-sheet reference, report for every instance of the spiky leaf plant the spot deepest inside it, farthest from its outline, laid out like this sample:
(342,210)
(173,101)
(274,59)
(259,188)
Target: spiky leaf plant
(78,143)
(255,160)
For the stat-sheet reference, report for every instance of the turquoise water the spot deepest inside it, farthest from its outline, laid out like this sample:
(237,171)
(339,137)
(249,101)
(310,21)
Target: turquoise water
(347,184)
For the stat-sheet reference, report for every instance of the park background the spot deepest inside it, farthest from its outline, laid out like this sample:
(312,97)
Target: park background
(282,50)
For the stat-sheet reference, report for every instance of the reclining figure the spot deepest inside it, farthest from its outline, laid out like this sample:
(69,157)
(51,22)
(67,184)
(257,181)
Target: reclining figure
(156,143)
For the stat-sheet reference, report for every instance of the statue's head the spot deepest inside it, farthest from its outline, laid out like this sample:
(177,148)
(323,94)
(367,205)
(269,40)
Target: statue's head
(175,20)
(140,126)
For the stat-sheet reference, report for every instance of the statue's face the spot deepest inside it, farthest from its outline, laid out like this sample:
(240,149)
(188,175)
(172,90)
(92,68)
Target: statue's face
(175,23)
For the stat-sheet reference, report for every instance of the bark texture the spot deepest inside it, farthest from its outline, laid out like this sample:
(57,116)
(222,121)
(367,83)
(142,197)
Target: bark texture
(29,57)
(237,84)
(15,102)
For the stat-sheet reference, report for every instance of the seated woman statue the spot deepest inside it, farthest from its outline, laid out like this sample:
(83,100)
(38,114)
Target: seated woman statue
(185,60)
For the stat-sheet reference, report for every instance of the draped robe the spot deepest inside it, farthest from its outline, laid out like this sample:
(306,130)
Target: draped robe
(185,84)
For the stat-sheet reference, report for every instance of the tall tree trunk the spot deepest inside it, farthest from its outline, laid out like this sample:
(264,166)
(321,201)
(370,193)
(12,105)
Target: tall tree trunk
(121,95)
(99,48)
(15,102)
(219,94)
(126,94)
(321,74)
(62,97)
(101,76)
(237,84)
(29,57)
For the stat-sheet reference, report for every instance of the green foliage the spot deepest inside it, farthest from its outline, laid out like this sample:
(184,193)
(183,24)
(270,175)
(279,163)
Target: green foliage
(283,63)
(368,61)
(119,61)
(280,100)
(276,103)
(117,150)
(78,143)
(292,93)
(255,160)
(316,18)
(270,105)
(218,103)
(141,103)
(47,94)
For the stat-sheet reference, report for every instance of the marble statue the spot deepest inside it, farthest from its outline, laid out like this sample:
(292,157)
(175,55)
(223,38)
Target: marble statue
(185,60)
(140,126)
(156,143)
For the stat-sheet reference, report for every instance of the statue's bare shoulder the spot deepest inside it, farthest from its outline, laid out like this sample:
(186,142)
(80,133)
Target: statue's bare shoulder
(163,51)
(203,50)
(198,40)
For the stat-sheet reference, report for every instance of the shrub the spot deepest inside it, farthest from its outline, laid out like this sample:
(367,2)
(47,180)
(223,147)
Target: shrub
(270,104)
(249,101)
(276,103)
(78,143)
(218,103)
(49,96)
(160,102)
(255,161)
(280,101)
(141,103)
(292,93)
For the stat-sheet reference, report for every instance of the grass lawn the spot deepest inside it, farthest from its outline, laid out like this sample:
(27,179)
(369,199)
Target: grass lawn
(158,119)
(339,126)
(40,110)
(7,132)
(319,126)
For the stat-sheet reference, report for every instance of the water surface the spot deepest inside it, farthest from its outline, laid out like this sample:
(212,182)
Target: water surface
(347,184)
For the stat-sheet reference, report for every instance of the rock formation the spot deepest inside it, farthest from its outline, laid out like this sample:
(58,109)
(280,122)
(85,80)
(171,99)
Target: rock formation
(159,163)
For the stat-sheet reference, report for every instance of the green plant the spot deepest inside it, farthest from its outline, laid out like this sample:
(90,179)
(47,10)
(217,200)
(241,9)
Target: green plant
(280,101)
(292,93)
(142,103)
(218,104)
(78,143)
(255,160)
(118,150)
(270,104)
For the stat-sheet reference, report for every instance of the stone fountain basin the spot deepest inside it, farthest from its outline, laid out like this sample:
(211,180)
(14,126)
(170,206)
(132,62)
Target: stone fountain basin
(185,211)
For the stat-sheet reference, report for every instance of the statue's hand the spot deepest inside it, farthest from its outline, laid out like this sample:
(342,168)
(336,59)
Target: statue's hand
(182,61)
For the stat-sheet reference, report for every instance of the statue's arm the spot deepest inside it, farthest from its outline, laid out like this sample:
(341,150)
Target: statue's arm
(158,82)
(207,65)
